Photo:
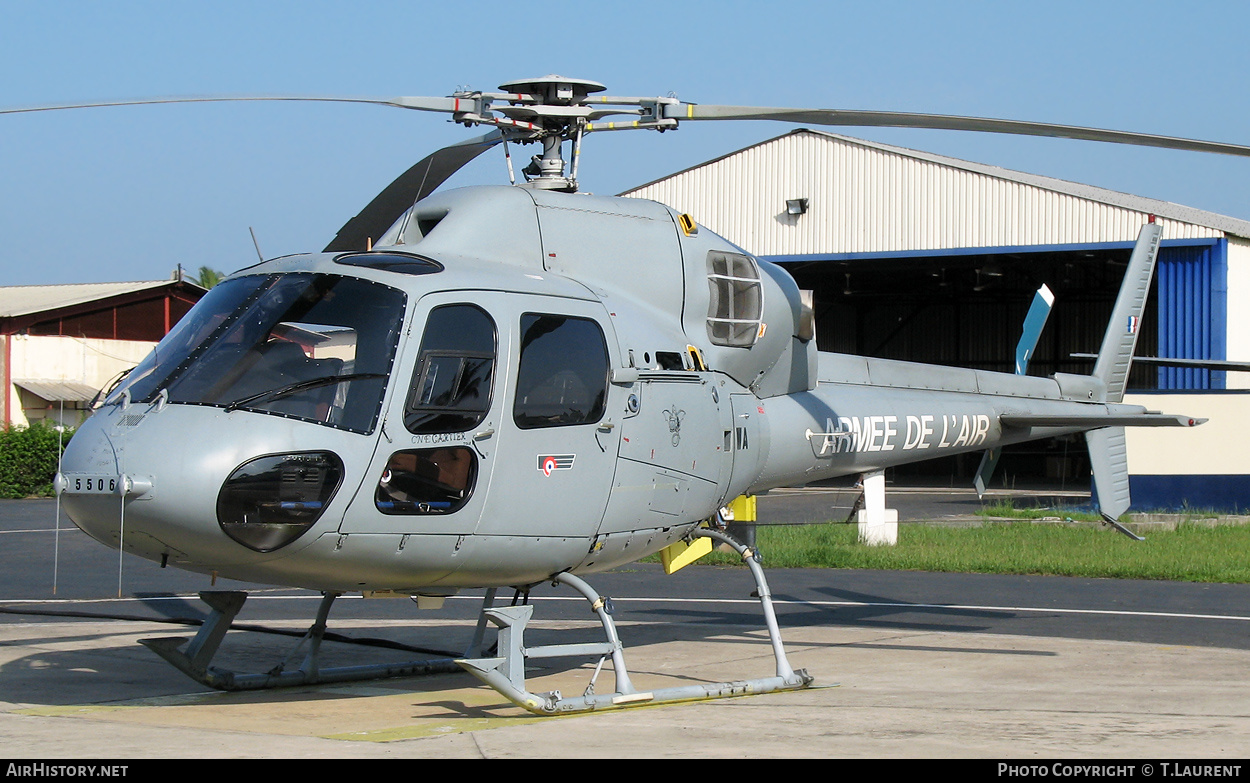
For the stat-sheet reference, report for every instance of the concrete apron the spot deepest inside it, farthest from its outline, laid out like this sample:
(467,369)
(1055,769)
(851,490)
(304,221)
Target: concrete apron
(89,690)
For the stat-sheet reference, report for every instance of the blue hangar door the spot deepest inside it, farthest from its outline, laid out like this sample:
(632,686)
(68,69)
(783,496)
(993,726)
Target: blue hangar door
(1192,306)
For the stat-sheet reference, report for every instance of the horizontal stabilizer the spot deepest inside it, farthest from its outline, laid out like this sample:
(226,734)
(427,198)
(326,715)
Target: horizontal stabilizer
(1095,420)
(1201,364)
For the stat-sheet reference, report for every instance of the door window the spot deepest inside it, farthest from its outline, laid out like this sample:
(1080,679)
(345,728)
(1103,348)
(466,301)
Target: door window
(451,385)
(563,374)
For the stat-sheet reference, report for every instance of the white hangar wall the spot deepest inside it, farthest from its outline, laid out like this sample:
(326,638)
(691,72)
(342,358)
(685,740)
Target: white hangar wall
(61,361)
(865,197)
(878,201)
(1200,468)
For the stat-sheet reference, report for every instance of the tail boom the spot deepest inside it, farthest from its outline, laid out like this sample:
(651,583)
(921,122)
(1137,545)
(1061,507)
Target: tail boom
(845,428)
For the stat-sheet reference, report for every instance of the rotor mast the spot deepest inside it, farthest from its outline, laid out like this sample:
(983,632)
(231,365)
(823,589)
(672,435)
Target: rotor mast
(555,109)
(557,105)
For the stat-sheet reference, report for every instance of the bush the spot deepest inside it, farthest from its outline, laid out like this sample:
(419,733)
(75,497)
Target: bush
(28,459)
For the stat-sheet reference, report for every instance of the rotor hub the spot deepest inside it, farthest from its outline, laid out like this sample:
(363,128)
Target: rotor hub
(557,105)
(553,90)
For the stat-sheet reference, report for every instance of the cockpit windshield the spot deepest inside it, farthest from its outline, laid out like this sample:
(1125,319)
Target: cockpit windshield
(316,347)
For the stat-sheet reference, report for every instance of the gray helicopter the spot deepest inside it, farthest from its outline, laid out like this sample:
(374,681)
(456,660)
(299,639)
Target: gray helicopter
(495,387)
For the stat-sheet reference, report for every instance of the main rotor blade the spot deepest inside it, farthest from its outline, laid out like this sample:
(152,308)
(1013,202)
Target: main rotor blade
(857,118)
(413,185)
(422,104)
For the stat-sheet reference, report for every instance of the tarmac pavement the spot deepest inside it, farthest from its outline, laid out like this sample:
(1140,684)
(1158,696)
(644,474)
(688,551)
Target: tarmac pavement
(87,690)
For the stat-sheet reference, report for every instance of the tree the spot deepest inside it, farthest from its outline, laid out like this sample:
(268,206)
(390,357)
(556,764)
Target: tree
(207,277)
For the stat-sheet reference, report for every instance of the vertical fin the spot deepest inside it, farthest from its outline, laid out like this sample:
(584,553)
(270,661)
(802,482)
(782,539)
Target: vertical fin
(1116,355)
(1108,454)
(1034,322)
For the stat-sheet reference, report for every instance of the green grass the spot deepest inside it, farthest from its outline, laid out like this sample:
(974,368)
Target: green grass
(1190,553)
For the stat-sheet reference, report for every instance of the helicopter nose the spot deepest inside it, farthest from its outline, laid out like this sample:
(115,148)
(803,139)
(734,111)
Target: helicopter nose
(89,483)
(109,487)
(129,480)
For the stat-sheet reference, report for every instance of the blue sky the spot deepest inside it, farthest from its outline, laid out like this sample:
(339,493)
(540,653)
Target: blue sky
(130,193)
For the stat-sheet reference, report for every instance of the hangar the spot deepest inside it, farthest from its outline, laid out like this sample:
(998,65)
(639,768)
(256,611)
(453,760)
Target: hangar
(922,257)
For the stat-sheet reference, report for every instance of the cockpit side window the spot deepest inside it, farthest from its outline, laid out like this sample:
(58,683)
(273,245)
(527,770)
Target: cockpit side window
(451,385)
(427,481)
(563,374)
(736,306)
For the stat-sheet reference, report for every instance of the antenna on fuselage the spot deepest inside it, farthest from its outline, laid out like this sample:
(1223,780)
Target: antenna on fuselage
(121,524)
(256,244)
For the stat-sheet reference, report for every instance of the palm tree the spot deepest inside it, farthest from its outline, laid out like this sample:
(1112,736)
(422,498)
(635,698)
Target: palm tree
(207,278)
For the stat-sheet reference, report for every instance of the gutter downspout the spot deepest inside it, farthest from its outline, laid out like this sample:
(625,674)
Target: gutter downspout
(8,378)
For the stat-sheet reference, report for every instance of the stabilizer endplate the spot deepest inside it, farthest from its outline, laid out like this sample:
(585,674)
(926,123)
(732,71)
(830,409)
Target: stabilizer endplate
(1108,457)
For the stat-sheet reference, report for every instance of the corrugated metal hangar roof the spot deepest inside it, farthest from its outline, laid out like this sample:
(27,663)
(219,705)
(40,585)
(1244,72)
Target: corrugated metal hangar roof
(867,197)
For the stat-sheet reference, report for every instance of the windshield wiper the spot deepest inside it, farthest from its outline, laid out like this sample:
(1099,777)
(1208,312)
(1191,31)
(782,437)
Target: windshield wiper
(299,386)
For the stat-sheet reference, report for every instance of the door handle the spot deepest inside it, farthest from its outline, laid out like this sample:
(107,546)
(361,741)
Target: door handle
(480,436)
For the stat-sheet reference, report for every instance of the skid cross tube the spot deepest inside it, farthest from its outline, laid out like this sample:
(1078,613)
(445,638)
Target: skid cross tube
(506,673)
(194,661)
(752,559)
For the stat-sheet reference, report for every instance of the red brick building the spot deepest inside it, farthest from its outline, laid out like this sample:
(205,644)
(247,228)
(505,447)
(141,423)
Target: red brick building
(62,344)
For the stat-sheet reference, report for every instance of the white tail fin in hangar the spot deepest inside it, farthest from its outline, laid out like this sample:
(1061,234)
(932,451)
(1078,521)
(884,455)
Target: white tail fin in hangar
(1034,322)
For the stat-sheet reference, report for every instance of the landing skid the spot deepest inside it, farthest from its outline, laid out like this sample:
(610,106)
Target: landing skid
(506,674)
(195,660)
